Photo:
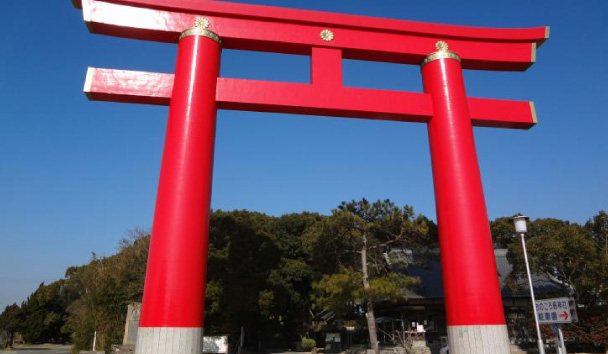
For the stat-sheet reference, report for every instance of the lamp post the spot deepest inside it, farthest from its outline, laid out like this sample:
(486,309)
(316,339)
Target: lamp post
(521,228)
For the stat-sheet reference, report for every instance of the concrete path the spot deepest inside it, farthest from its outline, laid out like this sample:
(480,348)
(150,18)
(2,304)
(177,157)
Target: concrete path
(39,349)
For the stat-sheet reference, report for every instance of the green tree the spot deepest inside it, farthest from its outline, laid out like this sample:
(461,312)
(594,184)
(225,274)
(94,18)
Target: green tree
(598,228)
(352,247)
(567,254)
(258,276)
(44,314)
(10,322)
(503,232)
(242,252)
(101,290)
(100,308)
(289,284)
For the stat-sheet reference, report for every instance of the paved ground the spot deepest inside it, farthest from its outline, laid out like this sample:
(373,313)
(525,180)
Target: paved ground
(39,349)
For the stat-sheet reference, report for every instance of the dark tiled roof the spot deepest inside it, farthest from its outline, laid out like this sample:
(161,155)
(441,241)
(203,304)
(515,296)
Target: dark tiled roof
(427,267)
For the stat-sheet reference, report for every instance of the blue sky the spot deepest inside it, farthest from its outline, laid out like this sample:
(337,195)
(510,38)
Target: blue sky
(75,175)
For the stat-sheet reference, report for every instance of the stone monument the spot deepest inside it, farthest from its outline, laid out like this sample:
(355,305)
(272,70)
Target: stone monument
(131,325)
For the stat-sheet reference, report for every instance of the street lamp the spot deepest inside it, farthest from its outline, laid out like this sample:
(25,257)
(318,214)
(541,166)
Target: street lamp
(522,228)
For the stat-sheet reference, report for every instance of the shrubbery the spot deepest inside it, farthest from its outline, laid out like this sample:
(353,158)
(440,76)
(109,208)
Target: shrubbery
(308,344)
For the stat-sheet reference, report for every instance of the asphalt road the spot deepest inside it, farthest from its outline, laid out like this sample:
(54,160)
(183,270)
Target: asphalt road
(47,349)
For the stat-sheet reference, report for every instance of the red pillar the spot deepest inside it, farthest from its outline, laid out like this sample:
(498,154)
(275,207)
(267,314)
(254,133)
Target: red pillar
(475,315)
(173,304)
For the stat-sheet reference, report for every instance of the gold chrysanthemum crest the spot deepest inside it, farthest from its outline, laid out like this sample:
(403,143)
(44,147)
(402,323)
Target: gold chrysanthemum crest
(327,35)
(441,45)
(201,22)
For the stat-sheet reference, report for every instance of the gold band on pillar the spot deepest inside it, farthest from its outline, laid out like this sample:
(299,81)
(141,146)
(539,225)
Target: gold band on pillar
(200,29)
(197,31)
(441,53)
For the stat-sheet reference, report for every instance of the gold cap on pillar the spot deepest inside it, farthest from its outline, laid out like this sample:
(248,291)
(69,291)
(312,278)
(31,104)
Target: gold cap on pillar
(442,53)
(200,28)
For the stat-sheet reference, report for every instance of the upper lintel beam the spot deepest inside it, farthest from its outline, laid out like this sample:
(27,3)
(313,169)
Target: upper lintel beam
(318,18)
(291,31)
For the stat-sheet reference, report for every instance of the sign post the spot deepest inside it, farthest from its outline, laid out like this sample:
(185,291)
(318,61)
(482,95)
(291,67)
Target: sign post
(556,312)
(560,347)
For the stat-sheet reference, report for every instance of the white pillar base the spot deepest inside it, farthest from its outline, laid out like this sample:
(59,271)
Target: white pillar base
(169,340)
(480,339)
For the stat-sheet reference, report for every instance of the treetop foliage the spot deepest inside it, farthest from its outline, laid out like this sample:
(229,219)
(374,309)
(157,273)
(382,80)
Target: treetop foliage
(271,275)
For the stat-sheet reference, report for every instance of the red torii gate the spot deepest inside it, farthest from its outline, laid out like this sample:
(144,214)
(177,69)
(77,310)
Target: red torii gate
(173,305)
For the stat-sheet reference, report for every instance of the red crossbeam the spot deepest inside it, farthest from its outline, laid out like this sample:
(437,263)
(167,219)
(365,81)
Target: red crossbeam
(265,96)
(263,28)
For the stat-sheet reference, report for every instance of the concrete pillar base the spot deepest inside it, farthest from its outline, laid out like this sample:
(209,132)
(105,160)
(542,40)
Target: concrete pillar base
(480,339)
(169,340)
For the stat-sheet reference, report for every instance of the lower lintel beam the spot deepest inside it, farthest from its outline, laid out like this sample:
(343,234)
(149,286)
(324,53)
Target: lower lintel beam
(297,98)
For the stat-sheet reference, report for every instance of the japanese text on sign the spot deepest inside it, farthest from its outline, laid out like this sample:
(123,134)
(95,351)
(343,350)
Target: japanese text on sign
(553,310)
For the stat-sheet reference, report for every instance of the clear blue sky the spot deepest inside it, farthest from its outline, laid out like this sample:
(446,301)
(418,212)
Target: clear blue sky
(75,175)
